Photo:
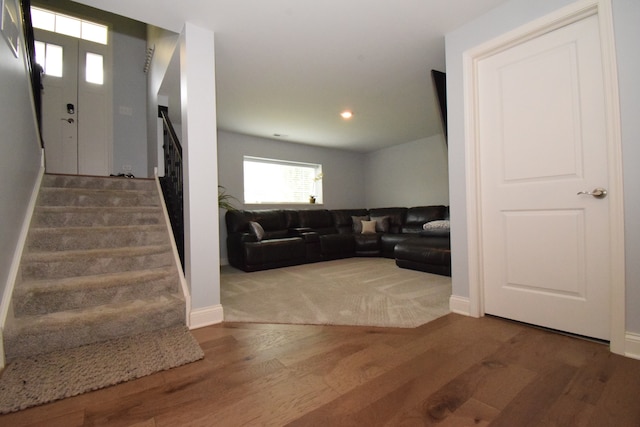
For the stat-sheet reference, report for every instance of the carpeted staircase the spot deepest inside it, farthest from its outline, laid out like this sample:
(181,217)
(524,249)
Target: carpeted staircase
(98,265)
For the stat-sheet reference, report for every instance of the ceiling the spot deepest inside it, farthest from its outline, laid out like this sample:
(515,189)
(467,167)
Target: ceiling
(289,67)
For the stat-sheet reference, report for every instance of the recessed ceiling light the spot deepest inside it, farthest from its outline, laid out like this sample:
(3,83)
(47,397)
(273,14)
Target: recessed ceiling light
(346,114)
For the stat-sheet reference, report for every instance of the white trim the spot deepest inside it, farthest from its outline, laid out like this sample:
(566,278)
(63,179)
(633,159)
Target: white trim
(224,261)
(632,345)
(562,17)
(206,316)
(459,305)
(176,257)
(17,256)
(616,181)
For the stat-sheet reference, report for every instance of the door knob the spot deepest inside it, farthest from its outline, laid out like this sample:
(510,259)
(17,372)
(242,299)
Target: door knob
(598,193)
(69,120)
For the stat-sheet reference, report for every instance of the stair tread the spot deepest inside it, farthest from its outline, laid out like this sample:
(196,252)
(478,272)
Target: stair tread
(97,190)
(93,253)
(89,209)
(42,324)
(85,181)
(98,228)
(92,281)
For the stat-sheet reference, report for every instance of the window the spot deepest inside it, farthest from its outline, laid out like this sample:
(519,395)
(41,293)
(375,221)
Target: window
(68,25)
(94,70)
(49,56)
(279,181)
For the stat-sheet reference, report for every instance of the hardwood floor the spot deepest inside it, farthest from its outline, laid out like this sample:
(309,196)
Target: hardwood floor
(454,371)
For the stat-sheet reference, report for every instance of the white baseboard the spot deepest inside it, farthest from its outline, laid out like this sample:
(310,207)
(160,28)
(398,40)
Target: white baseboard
(632,345)
(224,261)
(459,305)
(17,256)
(201,317)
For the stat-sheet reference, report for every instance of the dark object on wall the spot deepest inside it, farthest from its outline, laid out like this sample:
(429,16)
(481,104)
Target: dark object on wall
(440,84)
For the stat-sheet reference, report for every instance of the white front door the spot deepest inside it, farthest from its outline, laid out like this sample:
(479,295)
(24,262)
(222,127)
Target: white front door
(542,140)
(76,106)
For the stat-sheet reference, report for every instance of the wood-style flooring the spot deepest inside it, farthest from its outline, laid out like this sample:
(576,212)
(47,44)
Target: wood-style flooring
(454,371)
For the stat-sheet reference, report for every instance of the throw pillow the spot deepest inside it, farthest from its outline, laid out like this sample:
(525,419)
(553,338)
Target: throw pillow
(357,223)
(368,226)
(382,223)
(441,225)
(256,230)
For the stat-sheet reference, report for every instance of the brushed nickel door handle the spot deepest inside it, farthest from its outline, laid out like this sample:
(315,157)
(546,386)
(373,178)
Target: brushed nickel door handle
(598,193)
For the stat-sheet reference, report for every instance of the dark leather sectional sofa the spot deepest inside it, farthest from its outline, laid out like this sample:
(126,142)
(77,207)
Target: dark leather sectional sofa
(291,237)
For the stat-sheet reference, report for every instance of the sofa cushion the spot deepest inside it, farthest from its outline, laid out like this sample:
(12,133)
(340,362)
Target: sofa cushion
(368,226)
(343,219)
(335,246)
(256,230)
(315,218)
(419,215)
(396,217)
(357,223)
(269,219)
(382,224)
(367,244)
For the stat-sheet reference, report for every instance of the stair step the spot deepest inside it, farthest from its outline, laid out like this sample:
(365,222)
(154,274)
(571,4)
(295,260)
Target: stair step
(50,296)
(51,196)
(78,216)
(60,264)
(98,265)
(105,183)
(32,335)
(64,239)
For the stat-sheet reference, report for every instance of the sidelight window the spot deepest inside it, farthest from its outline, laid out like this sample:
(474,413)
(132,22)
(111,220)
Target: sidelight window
(49,56)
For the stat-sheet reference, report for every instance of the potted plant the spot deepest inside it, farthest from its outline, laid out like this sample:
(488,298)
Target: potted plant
(225,201)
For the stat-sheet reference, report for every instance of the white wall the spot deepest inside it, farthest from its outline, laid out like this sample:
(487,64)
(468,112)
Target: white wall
(199,142)
(500,20)
(21,154)
(410,174)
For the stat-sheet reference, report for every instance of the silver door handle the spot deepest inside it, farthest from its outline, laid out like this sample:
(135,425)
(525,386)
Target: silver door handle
(598,193)
(69,120)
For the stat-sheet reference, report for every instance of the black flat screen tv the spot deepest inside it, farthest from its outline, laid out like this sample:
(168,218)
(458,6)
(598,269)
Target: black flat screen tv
(440,85)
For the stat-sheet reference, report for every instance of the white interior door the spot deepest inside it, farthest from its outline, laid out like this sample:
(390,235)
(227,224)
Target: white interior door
(542,140)
(76,105)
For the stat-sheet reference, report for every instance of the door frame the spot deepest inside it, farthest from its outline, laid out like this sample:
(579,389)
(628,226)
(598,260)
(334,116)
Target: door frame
(471,58)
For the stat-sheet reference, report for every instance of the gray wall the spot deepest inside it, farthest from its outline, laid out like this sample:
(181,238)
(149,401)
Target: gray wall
(626,15)
(129,96)
(164,43)
(129,83)
(21,154)
(410,174)
(500,20)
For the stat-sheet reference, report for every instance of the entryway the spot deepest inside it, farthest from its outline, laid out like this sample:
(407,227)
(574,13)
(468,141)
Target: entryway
(76,104)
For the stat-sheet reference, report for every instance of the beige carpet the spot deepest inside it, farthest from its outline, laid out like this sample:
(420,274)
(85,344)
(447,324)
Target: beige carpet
(39,379)
(354,291)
